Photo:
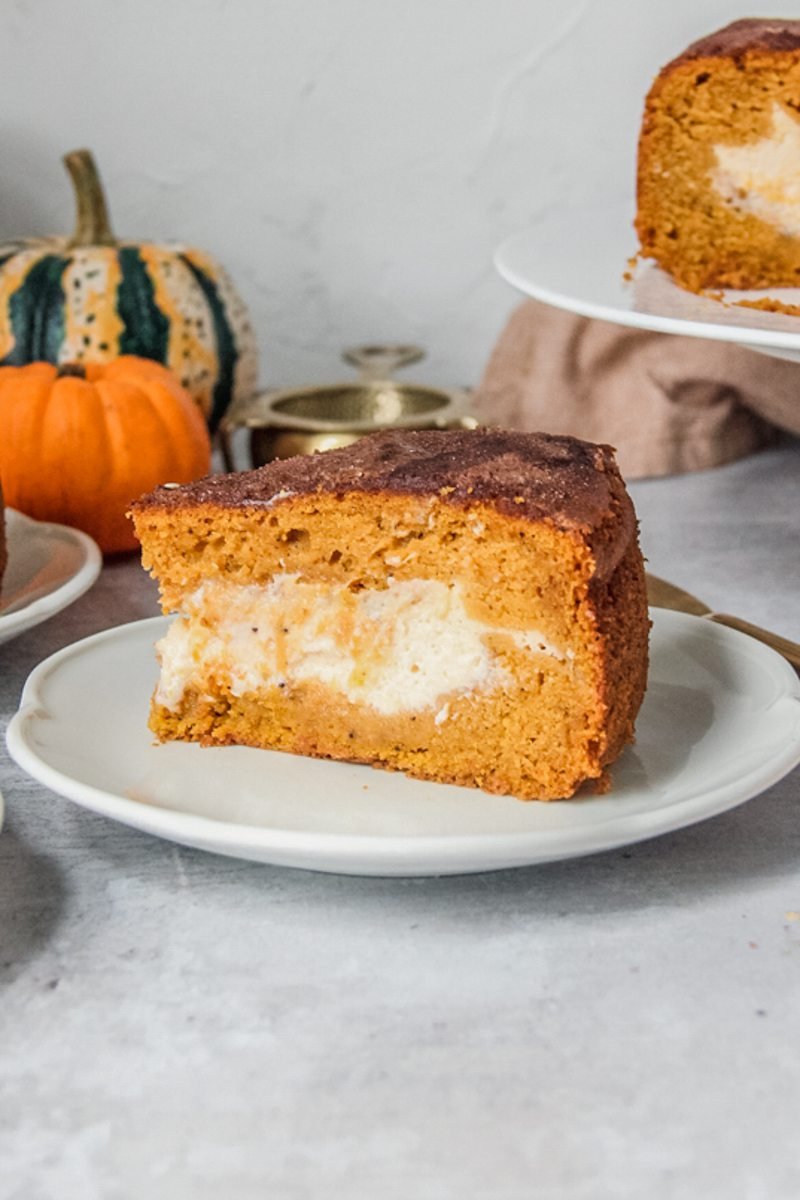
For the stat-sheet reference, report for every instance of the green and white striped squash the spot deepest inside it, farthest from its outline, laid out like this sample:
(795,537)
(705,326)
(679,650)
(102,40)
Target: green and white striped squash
(91,298)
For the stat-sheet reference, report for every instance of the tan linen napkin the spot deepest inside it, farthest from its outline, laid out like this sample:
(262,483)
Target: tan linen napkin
(669,404)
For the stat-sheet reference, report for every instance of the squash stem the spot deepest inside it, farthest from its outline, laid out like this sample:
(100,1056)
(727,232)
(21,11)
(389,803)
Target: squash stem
(71,369)
(92,227)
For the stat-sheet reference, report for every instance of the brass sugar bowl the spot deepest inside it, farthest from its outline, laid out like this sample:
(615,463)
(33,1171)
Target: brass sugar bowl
(303,420)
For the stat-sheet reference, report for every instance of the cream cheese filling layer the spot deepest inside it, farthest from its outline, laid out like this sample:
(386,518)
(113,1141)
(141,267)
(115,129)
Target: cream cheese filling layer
(763,177)
(397,649)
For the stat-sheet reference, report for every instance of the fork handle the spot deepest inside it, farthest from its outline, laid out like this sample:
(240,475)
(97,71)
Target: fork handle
(789,650)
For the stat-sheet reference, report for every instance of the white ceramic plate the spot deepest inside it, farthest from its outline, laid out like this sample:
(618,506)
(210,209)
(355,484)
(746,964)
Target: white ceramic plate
(720,723)
(49,566)
(576,259)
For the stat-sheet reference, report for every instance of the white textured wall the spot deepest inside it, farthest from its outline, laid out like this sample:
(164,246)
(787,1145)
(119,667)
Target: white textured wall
(353,162)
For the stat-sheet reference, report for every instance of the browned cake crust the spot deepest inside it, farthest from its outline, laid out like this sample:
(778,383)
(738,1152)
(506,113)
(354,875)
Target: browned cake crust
(723,91)
(535,532)
(741,38)
(570,483)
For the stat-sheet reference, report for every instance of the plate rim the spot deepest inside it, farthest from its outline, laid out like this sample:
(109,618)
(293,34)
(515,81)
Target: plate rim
(72,588)
(632,318)
(231,838)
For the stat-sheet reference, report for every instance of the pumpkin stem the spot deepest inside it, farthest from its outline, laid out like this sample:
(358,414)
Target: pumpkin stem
(76,369)
(92,227)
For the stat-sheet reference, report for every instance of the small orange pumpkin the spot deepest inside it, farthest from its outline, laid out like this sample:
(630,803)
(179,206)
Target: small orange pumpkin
(79,443)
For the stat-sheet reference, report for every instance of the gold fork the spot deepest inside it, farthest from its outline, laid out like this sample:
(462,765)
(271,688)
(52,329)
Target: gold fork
(661,594)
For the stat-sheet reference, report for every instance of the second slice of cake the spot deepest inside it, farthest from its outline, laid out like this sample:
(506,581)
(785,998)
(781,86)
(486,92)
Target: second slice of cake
(718,179)
(467,607)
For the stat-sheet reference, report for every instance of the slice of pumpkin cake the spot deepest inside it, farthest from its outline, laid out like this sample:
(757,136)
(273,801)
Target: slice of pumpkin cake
(467,607)
(718,180)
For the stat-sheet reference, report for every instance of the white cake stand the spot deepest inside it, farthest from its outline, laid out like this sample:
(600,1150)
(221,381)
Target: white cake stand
(576,259)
